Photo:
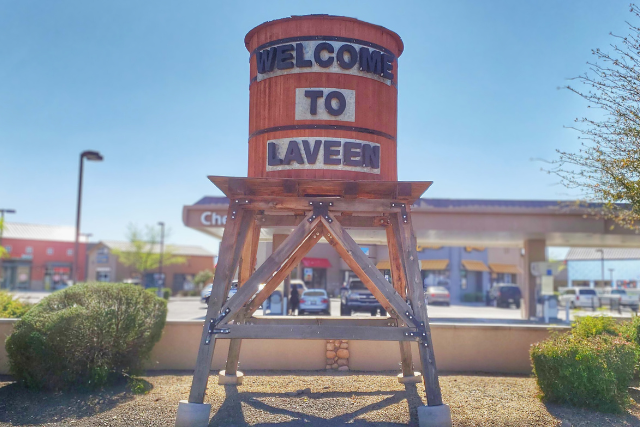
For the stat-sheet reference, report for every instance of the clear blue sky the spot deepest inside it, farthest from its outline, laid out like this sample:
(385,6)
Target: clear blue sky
(139,81)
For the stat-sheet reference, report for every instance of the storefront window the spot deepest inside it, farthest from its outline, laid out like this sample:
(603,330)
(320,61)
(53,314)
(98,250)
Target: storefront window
(435,278)
(503,278)
(632,284)
(103,276)
(580,283)
(56,276)
(16,275)
(102,256)
(315,277)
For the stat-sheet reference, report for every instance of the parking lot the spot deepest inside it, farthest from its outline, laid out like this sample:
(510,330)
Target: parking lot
(190,308)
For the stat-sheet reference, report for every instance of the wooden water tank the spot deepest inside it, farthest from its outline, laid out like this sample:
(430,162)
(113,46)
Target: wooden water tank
(323,99)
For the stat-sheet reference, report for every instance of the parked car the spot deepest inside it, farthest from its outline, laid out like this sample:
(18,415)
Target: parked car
(206,292)
(625,299)
(580,297)
(314,301)
(358,298)
(503,295)
(438,295)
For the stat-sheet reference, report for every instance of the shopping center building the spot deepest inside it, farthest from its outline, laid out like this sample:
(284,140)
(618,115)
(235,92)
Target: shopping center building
(465,245)
(467,270)
(40,257)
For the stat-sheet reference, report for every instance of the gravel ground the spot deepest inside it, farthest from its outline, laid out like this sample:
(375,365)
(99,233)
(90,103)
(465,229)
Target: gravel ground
(303,398)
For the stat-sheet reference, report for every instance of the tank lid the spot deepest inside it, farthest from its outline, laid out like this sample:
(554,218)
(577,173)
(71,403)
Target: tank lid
(393,34)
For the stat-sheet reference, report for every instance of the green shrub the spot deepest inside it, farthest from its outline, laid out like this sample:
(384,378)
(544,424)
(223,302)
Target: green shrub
(590,372)
(11,308)
(166,292)
(630,331)
(86,336)
(590,326)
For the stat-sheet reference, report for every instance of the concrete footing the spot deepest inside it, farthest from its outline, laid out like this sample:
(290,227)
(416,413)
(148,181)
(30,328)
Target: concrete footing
(224,379)
(434,416)
(193,414)
(415,379)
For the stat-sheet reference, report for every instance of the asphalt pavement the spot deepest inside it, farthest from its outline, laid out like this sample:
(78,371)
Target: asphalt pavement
(190,308)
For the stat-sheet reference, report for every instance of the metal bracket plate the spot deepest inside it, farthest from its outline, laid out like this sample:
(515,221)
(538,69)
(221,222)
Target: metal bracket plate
(213,323)
(320,209)
(403,210)
(421,331)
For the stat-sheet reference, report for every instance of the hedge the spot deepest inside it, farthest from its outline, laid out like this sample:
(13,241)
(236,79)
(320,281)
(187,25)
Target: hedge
(592,372)
(86,336)
(11,308)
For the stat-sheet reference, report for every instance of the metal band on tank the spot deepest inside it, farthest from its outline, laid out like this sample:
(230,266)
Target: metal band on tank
(255,79)
(324,127)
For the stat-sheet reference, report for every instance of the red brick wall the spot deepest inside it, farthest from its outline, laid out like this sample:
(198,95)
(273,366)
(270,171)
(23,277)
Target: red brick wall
(40,258)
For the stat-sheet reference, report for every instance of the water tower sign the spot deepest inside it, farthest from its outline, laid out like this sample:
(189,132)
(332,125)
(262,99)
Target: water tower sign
(323,99)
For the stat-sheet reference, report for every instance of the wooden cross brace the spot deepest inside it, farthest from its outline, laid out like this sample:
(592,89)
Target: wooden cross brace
(232,319)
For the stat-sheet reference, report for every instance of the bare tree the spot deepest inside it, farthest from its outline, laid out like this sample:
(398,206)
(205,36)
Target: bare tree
(606,168)
(143,253)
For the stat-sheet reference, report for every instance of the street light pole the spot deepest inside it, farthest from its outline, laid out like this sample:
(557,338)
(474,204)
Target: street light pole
(161,281)
(93,156)
(2,212)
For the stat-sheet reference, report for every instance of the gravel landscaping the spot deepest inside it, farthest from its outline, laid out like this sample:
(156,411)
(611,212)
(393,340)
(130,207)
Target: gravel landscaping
(303,398)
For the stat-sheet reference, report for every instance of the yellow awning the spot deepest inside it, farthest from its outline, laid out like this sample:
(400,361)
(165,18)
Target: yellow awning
(471,265)
(434,264)
(383,265)
(419,248)
(505,268)
(425,264)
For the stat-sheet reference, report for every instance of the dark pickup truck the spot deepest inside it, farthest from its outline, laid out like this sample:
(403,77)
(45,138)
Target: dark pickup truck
(357,298)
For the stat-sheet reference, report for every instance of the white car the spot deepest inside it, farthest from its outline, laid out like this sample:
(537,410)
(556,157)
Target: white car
(580,297)
(314,301)
(206,292)
(438,295)
(626,300)
(299,284)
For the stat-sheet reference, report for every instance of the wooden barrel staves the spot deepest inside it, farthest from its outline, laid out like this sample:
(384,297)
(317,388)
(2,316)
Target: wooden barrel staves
(323,99)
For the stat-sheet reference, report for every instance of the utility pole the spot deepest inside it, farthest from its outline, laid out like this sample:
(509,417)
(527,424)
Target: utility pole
(161,279)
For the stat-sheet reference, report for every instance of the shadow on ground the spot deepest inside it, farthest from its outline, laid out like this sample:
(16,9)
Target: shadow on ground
(578,417)
(22,406)
(231,412)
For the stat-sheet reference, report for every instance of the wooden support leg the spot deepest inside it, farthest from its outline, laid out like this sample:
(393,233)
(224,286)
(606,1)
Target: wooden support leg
(233,358)
(246,269)
(408,374)
(235,233)
(401,224)
(399,277)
